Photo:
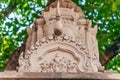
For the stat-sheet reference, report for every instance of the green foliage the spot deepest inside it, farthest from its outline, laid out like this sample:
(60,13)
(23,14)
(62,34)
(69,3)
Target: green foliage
(105,13)
(114,64)
(13,26)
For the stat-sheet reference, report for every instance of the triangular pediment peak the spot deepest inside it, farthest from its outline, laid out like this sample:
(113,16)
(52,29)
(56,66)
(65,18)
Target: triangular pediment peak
(65,4)
(64,9)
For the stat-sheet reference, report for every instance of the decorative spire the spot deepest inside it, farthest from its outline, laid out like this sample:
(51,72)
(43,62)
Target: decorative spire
(58,14)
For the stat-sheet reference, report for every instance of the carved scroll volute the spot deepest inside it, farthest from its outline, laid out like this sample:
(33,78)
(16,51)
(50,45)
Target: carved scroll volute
(39,24)
(39,33)
(28,42)
(93,41)
(34,37)
(95,48)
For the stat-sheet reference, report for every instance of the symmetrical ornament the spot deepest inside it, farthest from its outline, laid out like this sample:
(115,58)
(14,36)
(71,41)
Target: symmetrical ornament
(61,40)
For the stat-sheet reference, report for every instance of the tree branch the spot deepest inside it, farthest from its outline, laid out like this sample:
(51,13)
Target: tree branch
(111,52)
(10,8)
(50,1)
(12,62)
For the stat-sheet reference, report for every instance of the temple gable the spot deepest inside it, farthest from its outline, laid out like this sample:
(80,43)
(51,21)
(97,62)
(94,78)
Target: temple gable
(61,40)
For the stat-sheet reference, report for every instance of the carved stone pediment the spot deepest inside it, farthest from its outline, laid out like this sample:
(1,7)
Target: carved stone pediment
(61,40)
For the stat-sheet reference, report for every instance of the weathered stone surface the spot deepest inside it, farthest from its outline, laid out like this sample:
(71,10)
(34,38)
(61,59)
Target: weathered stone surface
(12,75)
(61,40)
(61,45)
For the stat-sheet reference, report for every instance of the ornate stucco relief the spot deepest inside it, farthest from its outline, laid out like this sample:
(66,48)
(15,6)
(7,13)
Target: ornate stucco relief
(61,40)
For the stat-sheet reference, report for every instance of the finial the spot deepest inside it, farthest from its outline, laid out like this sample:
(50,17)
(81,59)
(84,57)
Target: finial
(58,14)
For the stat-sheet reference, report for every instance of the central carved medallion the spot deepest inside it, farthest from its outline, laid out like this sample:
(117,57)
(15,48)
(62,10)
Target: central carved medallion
(58,62)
